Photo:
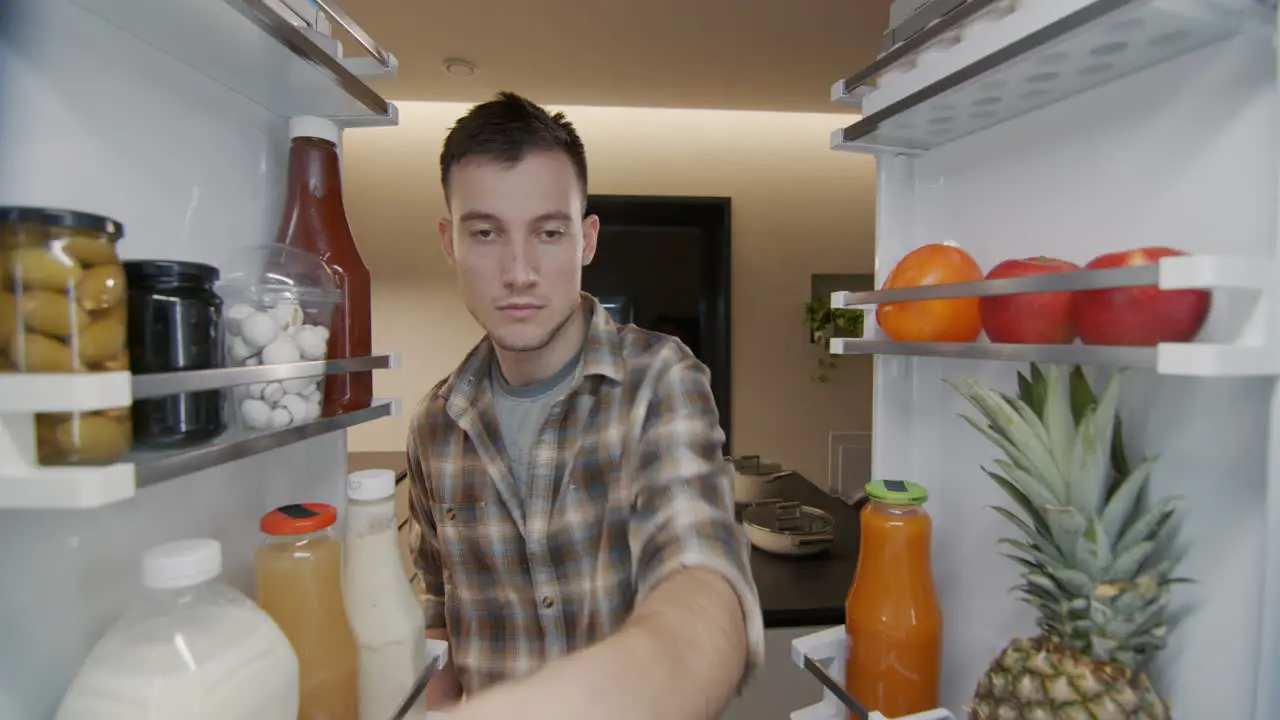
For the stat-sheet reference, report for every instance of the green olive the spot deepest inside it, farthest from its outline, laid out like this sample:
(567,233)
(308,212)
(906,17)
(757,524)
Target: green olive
(8,318)
(40,267)
(91,250)
(101,287)
(93,438)
(31,352)
(101,342)
(52,313)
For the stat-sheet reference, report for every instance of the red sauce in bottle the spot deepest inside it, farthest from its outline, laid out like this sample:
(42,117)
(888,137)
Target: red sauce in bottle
(316,221)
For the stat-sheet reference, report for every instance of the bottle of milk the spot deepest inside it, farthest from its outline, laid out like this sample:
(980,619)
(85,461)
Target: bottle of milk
(193,648)
(381,606)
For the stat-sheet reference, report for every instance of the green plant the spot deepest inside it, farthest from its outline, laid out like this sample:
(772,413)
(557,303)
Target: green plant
(824,323)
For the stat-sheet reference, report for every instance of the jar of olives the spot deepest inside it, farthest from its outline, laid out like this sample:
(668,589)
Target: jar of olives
(63,310)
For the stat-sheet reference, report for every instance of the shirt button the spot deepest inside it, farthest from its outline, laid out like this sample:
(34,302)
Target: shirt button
(548,602)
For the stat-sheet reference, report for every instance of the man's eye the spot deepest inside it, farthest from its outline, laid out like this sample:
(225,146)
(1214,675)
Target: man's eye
(552,235)
(482,234)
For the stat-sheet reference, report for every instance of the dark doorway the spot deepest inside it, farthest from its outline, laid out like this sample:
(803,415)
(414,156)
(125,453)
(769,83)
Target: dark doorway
(663,264)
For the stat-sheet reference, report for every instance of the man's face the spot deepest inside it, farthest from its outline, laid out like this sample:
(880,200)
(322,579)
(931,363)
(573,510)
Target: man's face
(518,240)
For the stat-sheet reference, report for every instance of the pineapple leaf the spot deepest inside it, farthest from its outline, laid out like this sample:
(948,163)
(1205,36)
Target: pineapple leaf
(1037,385)
(1025,563)
(1120,505)
(1021,499)
(1050,596)
(1090,458)
(1119,463)
(1046,562)
(1066,526)
(1128,563)
(999,441)
(1093,551)
(1149,525)
(1082,397)
(1026,392)
(1039,495)
(1022,429)
(1037,538)
(1059,426)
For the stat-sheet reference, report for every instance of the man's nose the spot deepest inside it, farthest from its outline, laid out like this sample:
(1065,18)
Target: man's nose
(518,267)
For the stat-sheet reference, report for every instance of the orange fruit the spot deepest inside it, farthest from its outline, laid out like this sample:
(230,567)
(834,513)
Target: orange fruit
(950,320)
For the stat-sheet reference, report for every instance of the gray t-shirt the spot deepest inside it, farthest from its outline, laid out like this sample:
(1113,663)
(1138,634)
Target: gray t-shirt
(522,411)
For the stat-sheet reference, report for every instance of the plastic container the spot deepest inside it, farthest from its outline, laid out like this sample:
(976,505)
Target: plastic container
(193,648)
(175,323)
(315,220)
(278,303)
(892,614)
(384,613)
(299,569)
(62,310)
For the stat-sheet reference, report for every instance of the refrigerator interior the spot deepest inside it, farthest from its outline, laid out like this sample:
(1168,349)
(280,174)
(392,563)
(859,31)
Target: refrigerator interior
(93,119)
(1182,154)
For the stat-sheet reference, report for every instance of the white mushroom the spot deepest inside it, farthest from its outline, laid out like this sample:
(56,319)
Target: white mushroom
(282,350)
(313,407)
(280,418)
(286,315)
(311,342)
(258,330)
(273,392)
(255,390)
(238,350)
(296,406)
(255,413)
(234,314)
(298,386)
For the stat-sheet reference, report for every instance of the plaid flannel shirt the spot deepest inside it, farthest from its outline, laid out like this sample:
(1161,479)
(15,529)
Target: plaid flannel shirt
(628,485)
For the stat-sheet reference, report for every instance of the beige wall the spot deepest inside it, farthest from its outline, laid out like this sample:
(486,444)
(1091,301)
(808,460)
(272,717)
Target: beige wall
(798,208)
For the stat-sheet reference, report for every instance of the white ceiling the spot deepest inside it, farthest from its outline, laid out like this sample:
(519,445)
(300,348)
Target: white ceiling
(733,54)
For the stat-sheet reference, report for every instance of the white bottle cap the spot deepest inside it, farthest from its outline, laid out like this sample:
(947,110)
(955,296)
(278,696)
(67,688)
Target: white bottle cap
(317,127)
(182,563)
(371,484)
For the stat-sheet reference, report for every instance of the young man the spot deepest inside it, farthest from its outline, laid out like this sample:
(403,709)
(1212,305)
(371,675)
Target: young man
(574,514)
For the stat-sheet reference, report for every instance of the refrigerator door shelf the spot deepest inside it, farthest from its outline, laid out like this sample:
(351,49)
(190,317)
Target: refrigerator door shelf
(26,484)
(249,47)
(1005,65)
(26,393)
(1234,343)
(822,655)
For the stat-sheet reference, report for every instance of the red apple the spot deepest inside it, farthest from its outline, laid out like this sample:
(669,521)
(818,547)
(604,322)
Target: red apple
(1137,315)
(1035,318)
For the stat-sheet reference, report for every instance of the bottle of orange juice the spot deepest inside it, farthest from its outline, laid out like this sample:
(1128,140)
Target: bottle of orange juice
(892,614)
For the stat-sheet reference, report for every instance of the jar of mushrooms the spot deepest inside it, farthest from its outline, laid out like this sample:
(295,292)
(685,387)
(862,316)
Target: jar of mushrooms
(63,310)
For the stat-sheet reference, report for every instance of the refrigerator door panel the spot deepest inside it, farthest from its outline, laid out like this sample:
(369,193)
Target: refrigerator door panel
(1183,155)
(95,120)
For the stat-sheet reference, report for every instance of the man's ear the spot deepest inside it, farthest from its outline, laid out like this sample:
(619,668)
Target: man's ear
(446,239)
(590,234)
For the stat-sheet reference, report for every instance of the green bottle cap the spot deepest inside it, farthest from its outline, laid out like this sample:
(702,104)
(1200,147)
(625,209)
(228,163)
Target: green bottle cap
(897,492)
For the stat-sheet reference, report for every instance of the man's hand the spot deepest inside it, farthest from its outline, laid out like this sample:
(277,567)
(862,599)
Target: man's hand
(681,656)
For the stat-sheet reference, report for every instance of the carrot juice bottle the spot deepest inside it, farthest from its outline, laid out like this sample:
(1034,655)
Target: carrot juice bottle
(892,614)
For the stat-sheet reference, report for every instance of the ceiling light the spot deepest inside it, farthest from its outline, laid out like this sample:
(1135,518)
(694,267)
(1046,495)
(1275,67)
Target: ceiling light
(458,67)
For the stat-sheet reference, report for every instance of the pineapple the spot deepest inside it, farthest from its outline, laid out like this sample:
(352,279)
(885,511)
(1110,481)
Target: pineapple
(1097,566)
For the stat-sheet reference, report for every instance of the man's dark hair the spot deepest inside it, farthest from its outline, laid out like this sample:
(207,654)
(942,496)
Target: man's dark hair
(507,129)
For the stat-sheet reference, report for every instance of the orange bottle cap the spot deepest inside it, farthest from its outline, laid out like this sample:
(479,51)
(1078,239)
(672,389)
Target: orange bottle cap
(298,519)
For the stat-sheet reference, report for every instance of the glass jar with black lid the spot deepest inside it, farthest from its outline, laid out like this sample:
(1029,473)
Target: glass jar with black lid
(175,324)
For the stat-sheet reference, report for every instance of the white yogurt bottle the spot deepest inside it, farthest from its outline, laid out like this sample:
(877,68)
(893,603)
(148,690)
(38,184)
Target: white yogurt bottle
(383,611)
(193,648)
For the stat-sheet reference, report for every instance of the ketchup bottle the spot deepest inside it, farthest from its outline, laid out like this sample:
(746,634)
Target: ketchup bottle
(315,220)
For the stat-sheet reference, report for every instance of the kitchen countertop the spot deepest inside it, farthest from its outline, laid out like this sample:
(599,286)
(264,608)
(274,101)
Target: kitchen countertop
(801,591)
(794,591)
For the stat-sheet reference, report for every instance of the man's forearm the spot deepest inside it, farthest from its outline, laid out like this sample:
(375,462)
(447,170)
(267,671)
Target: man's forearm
(444,690)
(680,656)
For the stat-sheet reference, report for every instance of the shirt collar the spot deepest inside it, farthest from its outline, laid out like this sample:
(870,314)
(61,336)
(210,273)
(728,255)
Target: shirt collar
(601,355)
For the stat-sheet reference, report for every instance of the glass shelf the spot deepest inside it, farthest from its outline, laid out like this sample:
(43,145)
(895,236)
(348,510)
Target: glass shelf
(248,47)
(1023,61)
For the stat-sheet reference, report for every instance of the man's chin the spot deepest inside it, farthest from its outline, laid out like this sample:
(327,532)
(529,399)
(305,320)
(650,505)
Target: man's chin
(519,341)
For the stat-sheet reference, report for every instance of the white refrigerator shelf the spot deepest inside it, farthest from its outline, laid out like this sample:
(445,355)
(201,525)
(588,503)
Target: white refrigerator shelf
(822,655)
(26,485)
(257,52)
(25,393)
(1246,290)
(993,60)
